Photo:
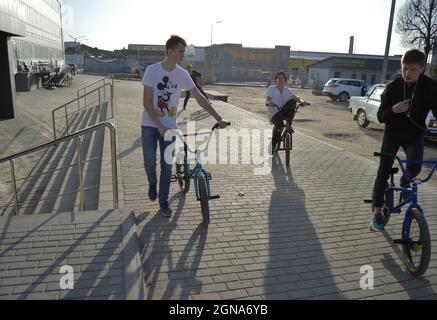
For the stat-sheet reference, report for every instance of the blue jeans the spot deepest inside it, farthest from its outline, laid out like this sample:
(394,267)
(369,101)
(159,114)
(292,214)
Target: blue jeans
(150,138)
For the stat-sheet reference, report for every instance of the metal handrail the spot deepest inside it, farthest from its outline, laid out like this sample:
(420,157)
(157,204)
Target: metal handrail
(64,106)
(95,82)
(72,136)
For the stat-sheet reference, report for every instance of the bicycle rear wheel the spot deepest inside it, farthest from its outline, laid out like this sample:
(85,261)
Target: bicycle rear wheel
(184,183)
(204,198)
(416,245)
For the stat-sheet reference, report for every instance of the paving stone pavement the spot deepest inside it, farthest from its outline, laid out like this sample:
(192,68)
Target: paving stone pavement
(100,247)
(295,234)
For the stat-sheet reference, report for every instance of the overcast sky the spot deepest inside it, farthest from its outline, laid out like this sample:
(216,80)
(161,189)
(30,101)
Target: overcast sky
(309,25)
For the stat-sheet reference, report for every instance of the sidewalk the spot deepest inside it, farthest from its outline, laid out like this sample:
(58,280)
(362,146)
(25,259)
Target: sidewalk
(294,234)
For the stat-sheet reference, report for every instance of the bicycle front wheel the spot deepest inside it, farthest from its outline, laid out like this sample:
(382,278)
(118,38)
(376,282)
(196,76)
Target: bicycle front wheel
(204,198)
(184,183)
(416,244)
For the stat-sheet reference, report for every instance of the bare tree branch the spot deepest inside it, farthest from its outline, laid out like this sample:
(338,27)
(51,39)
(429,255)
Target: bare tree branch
(417,24)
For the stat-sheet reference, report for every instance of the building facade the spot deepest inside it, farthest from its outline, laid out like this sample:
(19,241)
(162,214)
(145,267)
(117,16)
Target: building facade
(233,62)
(364,67)
(30,37)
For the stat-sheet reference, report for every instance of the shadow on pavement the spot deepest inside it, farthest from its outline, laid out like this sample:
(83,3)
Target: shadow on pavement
(297,265)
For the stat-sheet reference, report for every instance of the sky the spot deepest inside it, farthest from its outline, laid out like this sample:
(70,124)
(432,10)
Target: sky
(307,25)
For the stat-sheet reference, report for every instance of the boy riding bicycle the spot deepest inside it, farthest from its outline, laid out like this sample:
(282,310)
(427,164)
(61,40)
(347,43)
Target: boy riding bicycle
(405,104)
(280,106)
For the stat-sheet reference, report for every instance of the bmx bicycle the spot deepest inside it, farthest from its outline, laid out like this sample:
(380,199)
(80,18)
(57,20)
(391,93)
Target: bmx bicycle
(415,239)
(184,174)
(285,143)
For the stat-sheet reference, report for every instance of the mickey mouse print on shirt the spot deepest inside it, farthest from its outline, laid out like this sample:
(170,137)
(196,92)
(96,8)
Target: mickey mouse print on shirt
(165,90)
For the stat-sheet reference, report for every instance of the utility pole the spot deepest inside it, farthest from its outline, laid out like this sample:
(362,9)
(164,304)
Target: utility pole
(387,46)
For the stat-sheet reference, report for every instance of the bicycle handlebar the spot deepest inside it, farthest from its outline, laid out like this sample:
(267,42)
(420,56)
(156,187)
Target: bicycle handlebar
(402,162)
(216,126)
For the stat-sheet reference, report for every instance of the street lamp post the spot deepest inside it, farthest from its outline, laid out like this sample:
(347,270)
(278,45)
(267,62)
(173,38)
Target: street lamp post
(387,46)
(212,28)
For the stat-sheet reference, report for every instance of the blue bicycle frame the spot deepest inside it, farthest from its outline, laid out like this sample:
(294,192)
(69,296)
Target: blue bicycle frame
(198,168)
(412,198)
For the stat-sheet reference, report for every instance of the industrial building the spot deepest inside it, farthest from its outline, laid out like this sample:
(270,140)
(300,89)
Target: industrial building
(31,45)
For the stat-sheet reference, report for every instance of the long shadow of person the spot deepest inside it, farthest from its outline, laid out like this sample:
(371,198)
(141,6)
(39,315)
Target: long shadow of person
(297,267)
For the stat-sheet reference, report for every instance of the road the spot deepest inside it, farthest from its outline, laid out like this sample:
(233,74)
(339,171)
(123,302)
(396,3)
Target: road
(327,120)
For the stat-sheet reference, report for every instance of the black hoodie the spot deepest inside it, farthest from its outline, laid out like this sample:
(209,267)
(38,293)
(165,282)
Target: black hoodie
(399,125)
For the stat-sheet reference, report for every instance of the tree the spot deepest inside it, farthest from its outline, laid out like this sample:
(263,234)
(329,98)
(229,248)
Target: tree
(417,24)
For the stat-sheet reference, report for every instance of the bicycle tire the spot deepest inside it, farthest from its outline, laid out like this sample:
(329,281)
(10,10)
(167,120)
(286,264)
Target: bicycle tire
(184,183)
(287,147)
(204,198)
(410,246)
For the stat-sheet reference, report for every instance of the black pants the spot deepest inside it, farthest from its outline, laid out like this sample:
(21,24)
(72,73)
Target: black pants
(287,112)
(414,152)
(188,95)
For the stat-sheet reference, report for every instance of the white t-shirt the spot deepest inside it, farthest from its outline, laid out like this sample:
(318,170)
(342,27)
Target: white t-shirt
(167,87)
(278,98)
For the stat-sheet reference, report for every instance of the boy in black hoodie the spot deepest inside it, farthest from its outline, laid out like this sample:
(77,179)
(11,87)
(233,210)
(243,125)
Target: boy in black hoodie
(405,105)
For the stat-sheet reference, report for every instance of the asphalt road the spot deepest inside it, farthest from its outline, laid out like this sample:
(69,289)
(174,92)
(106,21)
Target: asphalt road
(327,120)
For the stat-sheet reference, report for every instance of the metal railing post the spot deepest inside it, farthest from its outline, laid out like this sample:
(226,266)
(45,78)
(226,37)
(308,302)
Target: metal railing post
(114,167)
(14,186)
(54,125)
(67,122)
(78,100)
(112,98)
(80,169)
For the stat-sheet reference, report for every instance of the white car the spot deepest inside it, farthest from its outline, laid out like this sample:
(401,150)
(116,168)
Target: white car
(365,110)
(343,89)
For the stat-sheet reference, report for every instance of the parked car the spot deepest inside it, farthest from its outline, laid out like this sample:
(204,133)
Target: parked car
(343,89)
(365,109)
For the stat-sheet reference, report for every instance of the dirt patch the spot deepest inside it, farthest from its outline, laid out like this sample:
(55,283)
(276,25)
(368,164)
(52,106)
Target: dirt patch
(342,136)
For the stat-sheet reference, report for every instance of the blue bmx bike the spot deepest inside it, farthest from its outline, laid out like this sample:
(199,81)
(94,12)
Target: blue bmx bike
(184,174)
(415,239)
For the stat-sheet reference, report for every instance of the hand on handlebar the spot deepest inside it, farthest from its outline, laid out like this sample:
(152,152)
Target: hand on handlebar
(223,124)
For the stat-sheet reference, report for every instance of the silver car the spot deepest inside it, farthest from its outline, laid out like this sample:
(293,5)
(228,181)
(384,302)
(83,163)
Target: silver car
(365,109)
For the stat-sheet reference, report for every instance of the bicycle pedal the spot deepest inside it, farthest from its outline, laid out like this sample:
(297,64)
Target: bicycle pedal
(368,201)
(214,197)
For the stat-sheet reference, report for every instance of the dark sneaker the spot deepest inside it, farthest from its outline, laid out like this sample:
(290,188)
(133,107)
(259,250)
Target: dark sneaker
(153,195)
(377,224)
(166,212)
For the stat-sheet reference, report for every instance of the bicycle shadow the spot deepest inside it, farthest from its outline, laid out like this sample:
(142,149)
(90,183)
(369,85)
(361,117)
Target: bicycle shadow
(414,287)
(158,256)
(297,266)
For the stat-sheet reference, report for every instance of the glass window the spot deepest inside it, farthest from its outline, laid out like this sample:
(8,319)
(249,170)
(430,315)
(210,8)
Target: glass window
(376,94)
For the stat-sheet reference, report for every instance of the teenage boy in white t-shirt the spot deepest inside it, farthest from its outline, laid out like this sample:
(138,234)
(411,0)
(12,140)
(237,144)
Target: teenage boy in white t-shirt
(163,83)
(278,97)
